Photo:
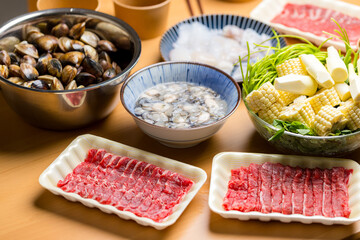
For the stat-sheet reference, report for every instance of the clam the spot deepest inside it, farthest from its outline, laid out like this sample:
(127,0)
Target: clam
(39,84)
(72,85)
(74,58)
(85,79)
(90,52)
(68,74)
(106,45)
(25,48)
(5,58)
(65,44)
(53,82)
(8,43)
(33,36)
(14,58)
(28,72)
(57,55)
(77,30)
(28,59)
(28,29)
(60,30)
(77,45)
(116,67)
(16,80)
(105,60)
(109,73)
(4,71)
(14,71)
(42,63)
(90,38)
(54,67)
(48,43)
(92,67)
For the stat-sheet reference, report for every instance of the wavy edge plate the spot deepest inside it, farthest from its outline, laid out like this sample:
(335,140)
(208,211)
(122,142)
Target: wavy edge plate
(76,152)
(225,161)
(268,9)
(215,21)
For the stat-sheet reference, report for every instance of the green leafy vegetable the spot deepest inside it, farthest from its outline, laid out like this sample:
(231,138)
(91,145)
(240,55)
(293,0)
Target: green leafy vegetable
(295,127)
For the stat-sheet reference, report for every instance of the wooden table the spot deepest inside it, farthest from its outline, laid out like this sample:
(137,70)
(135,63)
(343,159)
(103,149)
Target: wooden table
(27,211)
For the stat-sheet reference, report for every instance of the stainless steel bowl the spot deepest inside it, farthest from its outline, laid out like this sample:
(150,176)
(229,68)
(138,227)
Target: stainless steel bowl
(70,109)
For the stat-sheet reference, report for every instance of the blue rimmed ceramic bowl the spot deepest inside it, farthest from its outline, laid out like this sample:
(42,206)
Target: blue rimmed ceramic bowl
(166,72)
(217,21)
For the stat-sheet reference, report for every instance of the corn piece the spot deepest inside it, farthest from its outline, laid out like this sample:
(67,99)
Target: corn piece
(291,66)
(263,97)
(300,111)
(351,111)
(271,113)
(287,97)
(327,120)
(325,96)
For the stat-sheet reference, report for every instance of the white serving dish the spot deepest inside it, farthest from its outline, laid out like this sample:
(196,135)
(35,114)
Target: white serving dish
(76,153)
(224,162)
(268,9)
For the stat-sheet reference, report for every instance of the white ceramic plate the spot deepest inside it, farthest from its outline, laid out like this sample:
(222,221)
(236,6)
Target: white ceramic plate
(224,162)
(268,9)
(76,153)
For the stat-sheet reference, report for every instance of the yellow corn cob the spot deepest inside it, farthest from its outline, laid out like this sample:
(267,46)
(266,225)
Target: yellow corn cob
(287,97)
(325,96)
(271,113)
(263,98)
(293,66)
(328,120)
(300,111)
(351,111)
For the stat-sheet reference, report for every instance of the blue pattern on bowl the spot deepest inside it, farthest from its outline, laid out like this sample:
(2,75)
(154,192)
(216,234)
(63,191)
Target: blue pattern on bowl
(195,73)
(215,21)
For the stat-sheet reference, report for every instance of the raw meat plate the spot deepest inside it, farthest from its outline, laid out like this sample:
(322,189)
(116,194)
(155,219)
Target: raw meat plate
(319,11)
(224,163)
(71,161)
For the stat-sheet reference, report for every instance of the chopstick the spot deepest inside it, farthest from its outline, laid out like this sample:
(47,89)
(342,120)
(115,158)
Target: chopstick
(190,8)
(200,7)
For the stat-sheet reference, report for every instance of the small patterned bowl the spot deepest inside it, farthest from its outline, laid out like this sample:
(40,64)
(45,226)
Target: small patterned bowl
(216,21)
(195,73)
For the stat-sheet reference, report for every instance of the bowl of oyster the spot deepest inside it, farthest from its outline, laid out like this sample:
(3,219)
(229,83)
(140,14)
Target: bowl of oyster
(63,68)
(180,104)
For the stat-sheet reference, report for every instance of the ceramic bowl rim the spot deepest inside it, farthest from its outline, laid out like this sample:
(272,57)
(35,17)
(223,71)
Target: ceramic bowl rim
(194,19)
(22,19)
(186,63)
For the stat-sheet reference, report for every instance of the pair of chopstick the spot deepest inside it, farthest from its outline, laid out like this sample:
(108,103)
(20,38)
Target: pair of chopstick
(190,8)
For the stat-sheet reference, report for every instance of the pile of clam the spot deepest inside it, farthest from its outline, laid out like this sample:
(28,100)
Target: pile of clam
(57,58)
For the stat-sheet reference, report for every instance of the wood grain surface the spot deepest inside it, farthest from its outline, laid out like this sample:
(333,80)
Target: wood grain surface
(27,211)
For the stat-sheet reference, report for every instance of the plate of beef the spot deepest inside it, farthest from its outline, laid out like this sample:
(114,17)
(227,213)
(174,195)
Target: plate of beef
(133,184)
(312,19)
(286,188)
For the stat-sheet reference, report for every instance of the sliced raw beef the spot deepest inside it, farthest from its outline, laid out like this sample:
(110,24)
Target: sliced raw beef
(276,189)
(318,185)
(128,184)
(317,20)
(265,194)
(254,183)
(327,195)
(286,185)
(308,194)
(298,186)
